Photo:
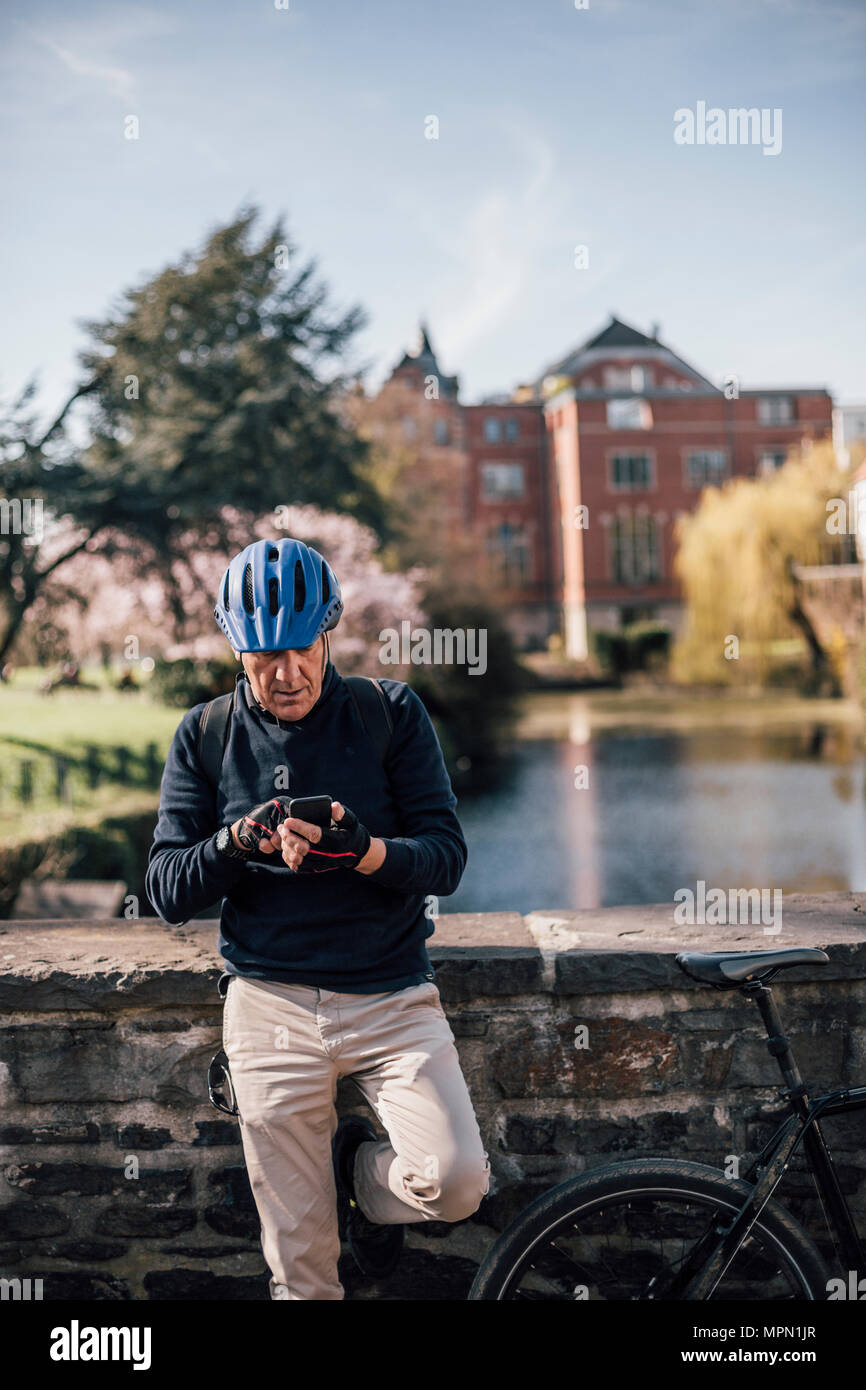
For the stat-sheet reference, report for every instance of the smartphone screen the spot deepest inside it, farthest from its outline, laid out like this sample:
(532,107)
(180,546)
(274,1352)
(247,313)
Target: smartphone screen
(315,809)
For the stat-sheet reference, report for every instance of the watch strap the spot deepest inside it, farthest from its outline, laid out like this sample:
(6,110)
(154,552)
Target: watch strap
(231,850)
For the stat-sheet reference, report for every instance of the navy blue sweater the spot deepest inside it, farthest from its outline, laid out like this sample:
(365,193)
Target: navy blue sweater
(342,930)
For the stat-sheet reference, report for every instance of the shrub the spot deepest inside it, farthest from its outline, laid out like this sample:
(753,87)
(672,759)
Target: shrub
(649,646)
(639,647)
(186,682)
(611,651)
(474,714)
(115,846)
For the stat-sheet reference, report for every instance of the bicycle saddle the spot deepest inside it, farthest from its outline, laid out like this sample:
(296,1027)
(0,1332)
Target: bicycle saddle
(728,969)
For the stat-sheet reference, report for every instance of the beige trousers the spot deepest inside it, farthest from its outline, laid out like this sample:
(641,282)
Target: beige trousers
(287,1047)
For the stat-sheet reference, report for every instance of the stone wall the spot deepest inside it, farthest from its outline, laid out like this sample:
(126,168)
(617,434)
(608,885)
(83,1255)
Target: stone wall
(119,1181)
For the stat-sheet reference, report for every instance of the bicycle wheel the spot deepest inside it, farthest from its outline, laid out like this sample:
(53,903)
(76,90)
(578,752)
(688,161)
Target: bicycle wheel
(625,1232)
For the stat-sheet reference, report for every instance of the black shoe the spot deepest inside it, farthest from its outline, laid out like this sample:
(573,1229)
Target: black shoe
(376,1249)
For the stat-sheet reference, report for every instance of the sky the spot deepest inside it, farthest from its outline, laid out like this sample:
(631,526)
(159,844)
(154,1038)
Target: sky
(555,130)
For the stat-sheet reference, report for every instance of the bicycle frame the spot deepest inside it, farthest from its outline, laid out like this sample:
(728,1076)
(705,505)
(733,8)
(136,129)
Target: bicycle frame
(769,1167)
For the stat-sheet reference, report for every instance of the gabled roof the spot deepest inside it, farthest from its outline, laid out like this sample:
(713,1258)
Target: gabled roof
(617,335)
(423,359)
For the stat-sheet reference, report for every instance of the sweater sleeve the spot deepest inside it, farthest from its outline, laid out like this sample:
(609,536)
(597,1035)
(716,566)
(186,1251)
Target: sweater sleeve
(431,856)
(185,871)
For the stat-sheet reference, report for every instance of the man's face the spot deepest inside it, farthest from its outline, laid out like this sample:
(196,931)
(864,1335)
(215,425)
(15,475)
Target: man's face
(287,684)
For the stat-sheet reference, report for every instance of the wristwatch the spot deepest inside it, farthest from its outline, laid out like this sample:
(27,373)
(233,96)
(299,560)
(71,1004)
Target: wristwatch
(226,846)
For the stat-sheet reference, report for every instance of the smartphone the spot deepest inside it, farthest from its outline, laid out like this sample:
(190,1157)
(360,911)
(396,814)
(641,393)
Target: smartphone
(315,809)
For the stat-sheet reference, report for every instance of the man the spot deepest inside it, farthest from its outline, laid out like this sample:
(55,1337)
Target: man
(323,932)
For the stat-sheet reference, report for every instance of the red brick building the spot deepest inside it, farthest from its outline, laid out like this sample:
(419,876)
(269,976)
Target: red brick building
(571,488)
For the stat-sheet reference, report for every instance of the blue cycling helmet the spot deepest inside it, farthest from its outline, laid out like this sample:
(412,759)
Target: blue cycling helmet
(276,596)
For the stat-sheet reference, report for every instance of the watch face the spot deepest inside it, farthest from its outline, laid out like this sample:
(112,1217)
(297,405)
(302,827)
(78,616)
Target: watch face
(226,845)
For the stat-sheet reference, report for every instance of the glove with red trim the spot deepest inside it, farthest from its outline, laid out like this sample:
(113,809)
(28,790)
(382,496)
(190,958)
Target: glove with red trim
(343,846)
(260,823)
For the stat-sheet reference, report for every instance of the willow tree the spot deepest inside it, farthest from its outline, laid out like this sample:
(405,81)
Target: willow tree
(738,560)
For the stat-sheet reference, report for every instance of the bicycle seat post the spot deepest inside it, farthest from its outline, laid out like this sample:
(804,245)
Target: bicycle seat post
(779,1045)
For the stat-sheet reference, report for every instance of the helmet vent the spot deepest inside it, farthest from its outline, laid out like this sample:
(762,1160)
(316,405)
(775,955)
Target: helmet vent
(226,592)
(249,603)
(273,553)
(273,597)
(326,588)
(300,587)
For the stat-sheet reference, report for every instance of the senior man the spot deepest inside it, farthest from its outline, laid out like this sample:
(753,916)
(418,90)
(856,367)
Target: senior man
(323,931)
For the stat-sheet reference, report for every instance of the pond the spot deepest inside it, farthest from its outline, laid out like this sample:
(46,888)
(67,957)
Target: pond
(611,799)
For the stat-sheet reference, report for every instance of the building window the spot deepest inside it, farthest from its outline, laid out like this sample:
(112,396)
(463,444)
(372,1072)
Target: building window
(775,410)
(441,432)
(617,378)
(634,549)
(492,429)
(626,378)
(410,428)
(502,482)
(706,467)
(512,429)
(508,554)
(631,414)
(771,459)
(630,472)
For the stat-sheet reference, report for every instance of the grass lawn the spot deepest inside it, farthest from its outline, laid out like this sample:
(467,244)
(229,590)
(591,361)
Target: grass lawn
(37,728)
(556,714)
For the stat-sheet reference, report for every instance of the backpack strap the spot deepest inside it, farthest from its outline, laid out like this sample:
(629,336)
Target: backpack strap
(369,698)
(213,734)
(374,711)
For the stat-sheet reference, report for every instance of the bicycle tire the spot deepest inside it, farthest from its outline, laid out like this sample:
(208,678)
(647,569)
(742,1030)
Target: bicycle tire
(495,1277)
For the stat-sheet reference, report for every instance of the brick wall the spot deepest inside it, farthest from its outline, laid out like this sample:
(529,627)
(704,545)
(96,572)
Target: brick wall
(582,446)
(119,1181)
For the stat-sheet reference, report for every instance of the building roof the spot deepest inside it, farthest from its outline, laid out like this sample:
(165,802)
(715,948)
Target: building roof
(423,359)
(618,336)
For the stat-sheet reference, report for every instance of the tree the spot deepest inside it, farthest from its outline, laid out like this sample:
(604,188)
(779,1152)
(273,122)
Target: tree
(125,611)
(215,384)
(738,560)
(475,710)
(423,484)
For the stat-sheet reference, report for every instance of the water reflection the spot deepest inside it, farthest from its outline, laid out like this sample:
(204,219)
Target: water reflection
(603,814)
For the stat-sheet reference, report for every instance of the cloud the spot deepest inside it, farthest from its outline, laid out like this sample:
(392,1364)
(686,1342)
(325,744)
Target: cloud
(497,244)
(89,45)
(118,81)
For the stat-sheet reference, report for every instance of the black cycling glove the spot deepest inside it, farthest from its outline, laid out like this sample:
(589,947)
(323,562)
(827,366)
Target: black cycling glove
(341,847)
(261,822)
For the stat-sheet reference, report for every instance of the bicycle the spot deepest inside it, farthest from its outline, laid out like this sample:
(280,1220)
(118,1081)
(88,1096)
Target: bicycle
(673,1230)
